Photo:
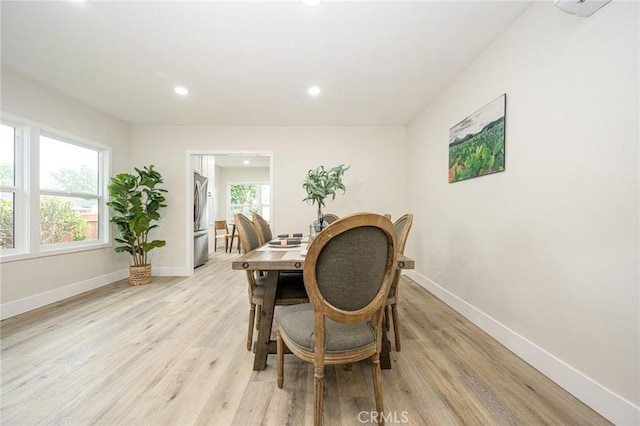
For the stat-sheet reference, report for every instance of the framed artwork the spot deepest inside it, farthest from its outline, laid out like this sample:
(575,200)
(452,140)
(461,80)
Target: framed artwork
(476,144)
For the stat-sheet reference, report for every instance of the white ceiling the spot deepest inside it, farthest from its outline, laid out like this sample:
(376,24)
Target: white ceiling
(250,63)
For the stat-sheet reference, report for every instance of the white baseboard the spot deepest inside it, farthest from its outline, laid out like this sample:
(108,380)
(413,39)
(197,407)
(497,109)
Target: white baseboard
(610,405)
(26,304)
(30,303)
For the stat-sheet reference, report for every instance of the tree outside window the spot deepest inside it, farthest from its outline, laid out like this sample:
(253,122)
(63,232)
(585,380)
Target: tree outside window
(60,222)
(6,221)
(243,199)
(7,186)
(249,198)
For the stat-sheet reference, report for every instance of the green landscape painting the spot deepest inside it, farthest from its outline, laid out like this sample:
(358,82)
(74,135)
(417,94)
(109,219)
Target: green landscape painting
(476,144)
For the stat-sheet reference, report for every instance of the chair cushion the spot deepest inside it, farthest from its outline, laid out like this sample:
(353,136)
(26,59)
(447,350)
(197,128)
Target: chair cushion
(290,286)
(296,322)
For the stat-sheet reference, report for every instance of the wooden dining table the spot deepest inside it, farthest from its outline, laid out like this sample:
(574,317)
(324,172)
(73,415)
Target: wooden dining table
(275,260)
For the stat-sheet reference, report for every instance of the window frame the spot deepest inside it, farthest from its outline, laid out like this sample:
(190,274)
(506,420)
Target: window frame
(99,197)
(27,201)
(259,206)
(15,189)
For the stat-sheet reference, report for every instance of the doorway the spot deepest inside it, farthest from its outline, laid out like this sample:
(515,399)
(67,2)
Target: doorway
(238,182)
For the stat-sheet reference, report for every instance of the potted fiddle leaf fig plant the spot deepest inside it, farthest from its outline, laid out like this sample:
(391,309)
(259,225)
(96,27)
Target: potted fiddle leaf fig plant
(136,201)
(321,183)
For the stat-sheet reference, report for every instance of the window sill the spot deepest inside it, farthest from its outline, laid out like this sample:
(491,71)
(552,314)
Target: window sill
(7,258)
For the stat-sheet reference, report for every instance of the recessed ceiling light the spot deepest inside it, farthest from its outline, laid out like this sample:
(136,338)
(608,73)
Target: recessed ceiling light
(311,3)
(181,91)
(313,90)
(246,162)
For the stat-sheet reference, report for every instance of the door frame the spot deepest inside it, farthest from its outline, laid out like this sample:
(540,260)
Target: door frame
(188,212)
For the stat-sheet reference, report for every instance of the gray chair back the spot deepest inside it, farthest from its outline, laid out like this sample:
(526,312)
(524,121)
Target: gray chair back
(349,267)
(402,226)
(329,218)
(263,228)
(247,232)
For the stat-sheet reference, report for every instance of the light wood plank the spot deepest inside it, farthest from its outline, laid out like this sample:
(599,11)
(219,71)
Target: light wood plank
(173,352)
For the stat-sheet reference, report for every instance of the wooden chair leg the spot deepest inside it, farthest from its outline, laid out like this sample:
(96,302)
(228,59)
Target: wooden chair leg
(319,389)
(396,327)
(377,385)
(226,244)
(259,312)
(252,315)
(387,317)
(280,357)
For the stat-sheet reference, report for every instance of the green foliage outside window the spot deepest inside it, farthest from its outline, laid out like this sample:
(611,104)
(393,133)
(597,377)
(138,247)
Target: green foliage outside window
(59,222)
(244,199)
(6,224)
(243,194)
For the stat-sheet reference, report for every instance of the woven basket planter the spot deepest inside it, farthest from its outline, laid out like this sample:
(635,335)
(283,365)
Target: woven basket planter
(139,275)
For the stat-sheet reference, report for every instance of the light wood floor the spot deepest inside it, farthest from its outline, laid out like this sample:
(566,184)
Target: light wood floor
(173,352)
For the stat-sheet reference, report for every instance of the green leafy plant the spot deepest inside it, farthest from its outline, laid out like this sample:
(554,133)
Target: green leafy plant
(136,201)
(321,183)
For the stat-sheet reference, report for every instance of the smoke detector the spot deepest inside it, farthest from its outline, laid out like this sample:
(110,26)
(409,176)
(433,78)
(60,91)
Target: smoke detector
(581,7)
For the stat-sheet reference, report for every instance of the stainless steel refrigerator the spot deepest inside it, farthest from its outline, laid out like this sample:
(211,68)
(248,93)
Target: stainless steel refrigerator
(200,227)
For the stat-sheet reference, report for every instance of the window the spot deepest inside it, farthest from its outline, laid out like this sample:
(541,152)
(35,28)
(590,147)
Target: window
(249,198)
(59,204)
(7,186)
(69,192)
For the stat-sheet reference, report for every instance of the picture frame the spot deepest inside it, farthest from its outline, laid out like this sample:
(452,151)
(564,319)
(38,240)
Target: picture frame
(477,143)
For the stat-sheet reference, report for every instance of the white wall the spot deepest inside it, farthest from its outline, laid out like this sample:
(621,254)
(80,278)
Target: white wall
(31,283)
(376,156)
(545,256)
(218,197)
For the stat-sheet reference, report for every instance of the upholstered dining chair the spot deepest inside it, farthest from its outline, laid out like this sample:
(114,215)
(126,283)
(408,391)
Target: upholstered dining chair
(290,286)
(263,228)
(348,272)
(221,231)
(329,218)
(402,227)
